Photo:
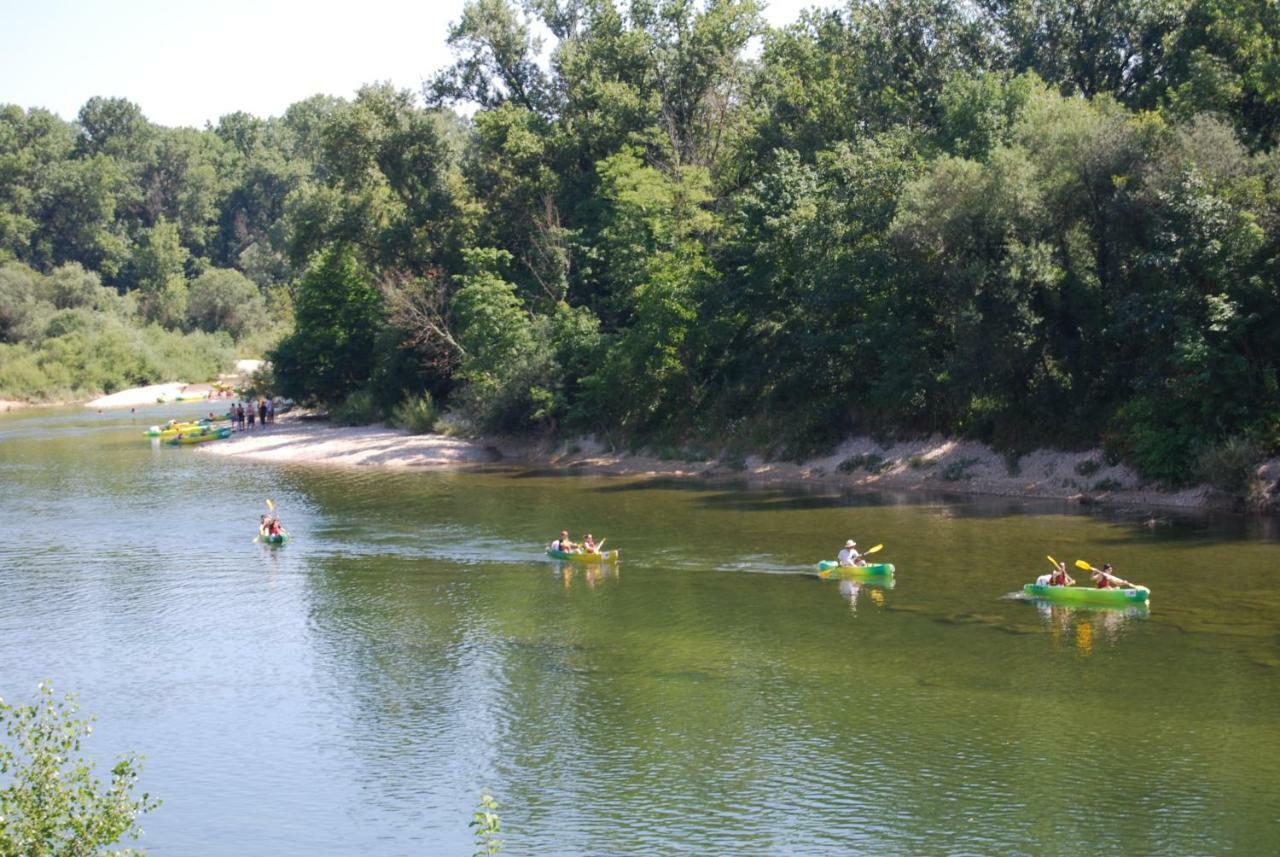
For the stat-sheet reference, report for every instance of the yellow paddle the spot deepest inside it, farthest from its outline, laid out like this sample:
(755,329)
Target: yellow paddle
(1084,566)
(1052,561)
(869,551)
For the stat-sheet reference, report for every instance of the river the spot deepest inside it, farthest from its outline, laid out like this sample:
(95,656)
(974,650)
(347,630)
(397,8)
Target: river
(355,691)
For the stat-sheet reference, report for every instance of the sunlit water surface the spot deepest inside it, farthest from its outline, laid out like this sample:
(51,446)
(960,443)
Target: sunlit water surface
(357,690)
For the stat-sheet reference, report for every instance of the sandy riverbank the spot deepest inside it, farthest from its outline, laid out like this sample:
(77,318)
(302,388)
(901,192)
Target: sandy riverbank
(934,464)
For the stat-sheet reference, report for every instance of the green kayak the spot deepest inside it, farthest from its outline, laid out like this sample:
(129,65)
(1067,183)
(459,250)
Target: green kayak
(273,540)
(200,435)
(1087,595)
(831,565)
(603,556)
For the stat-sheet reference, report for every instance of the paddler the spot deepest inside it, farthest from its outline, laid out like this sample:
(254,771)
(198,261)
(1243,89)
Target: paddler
(562,544)
(849,555)
(1103,577)
(589,544)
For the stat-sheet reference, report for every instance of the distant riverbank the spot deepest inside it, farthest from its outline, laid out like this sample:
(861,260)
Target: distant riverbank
(931,464)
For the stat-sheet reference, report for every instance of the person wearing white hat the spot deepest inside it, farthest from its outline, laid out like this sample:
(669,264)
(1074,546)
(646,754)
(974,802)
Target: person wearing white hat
(849,555)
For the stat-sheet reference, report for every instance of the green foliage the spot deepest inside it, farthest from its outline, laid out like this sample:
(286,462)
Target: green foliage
(72,338)
(958,470)
(221,299)
(339,312)
(51,803)
(1088,467)
(359,408)
(1230,466)
(486,824)
(416,414)
(1021,221)
(868,461)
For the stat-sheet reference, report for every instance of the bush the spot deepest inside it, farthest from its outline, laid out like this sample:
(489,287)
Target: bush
(958,470)
(1107,485)
(1088,467)
(1230,466)
(870,461)
(51,803)
(358,409)
(416,414)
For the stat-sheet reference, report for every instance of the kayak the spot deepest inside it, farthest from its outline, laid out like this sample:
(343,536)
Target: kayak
(1087,595)
(170,431)
(190,397)
(273,540)
(172,428)
(200,436)
(603,556)
(831,565)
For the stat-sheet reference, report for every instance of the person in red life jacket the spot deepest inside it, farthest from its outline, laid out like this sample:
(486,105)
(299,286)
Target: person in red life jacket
(1103,578)
(1060,577)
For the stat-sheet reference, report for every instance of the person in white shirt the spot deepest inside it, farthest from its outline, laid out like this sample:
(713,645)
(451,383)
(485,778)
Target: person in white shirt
(849,555)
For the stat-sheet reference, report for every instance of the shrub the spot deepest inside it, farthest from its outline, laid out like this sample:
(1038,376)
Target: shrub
(52,803)
(1107,485)
(416,414)
(358,409)
(958,470)
(1230,466)
(869,461)
(1088,467)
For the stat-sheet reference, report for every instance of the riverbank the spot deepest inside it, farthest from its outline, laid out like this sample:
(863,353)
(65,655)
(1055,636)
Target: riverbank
(931,464)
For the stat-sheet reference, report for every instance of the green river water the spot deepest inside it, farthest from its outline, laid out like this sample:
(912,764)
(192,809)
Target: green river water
(355,691)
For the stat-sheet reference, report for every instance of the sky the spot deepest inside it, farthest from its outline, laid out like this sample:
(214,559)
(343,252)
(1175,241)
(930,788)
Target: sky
(188,63)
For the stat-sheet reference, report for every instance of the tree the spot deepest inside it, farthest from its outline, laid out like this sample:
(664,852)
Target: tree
(337,318)
(222,299)
(51,803)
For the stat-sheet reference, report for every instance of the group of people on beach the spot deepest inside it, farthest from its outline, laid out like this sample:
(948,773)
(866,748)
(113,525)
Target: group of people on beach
(263,409)
(564,545)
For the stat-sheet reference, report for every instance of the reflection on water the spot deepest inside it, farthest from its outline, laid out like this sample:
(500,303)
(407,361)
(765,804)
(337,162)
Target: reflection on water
(356,690)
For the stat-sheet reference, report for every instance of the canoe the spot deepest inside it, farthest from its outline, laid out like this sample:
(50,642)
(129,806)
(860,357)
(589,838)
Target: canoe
(1086,595)
(200,436)
(273,540)
(603,556)
(170,431)
(172,428)
(881,568)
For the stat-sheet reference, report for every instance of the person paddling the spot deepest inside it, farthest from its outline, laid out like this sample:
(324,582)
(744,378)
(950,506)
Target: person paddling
(589,544)
(849,555)
(1059,577)
(1103,577)
(562,544)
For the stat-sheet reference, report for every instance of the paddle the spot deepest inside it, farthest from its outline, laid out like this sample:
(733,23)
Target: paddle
(1084,566)
(869,551)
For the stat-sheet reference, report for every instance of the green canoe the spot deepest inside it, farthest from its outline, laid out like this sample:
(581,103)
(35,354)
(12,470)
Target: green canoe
(834,567)
(1087,595)
(603,556)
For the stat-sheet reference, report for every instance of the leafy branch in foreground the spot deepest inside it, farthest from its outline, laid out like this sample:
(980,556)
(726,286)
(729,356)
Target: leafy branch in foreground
(487,826)
(51,804)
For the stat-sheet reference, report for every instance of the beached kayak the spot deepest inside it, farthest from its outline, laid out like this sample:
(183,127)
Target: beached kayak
(173,427)
(833,567)
(603,556)
(200,436)
(273,540)
(1087,595)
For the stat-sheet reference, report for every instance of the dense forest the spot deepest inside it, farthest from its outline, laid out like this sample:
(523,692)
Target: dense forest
(1031,222)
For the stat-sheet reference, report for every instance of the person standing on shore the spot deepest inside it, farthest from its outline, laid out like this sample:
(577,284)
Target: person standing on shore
(262,411)
(271,409)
